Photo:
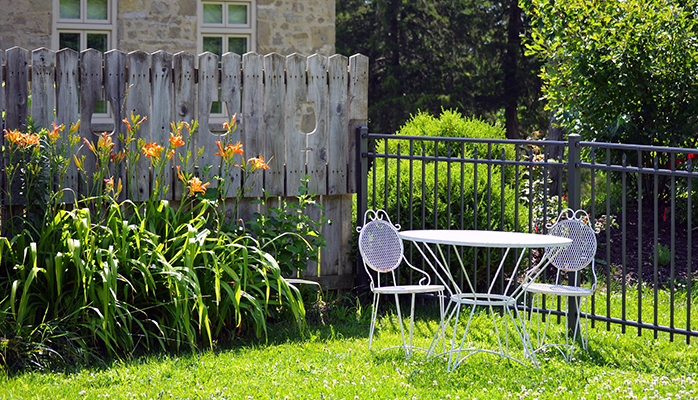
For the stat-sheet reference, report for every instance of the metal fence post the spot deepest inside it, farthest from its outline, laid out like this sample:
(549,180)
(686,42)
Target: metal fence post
(361,196)
(574,183)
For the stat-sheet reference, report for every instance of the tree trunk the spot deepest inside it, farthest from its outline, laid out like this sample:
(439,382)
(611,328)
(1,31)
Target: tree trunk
(511,89)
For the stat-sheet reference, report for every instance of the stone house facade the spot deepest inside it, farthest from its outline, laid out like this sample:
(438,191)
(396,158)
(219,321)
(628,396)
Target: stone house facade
(194,26)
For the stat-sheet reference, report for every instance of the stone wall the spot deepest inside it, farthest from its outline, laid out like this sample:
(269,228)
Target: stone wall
(25,23)
(302,26)
(147,25)
(283,26)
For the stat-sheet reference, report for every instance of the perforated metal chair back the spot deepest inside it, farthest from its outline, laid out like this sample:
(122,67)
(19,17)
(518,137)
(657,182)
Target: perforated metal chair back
(380,246)
(574,225)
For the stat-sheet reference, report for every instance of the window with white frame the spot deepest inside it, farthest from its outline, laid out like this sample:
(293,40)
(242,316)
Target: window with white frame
(226,27)
(85,24)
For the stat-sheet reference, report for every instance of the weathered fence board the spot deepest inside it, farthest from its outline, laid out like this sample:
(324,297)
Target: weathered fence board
(231,81)
(274,135)
(317,139)
(295,139)
(297,112)
(90,92)
(208,93)
(43,92)
(358,112)
(184,69)
(16,88)
(337,122)
(253,115)
(138,104)
(162,110)
(115,93)
(67,93)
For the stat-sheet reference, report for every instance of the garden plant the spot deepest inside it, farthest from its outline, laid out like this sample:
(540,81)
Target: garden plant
(92,275)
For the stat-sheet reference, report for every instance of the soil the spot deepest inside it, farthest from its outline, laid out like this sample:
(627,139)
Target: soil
(664,237)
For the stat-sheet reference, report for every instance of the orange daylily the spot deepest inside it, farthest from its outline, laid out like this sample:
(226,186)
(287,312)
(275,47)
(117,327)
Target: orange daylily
(231,126)
(110,183)
(105,142)
(258,162)
(195,186)
(30,139)
(90,145)
(14,136)
(176,141)
(229,151)
(152,149)
(237,148)
(55,133)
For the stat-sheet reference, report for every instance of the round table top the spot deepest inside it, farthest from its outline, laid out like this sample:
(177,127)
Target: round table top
(475,238)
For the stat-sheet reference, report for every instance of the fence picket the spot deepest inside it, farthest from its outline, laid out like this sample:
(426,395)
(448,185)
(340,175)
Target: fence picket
(115,91)
(138,103)
(274,138)
(16,88)
(252,115)
(90,93)
(184,67)
(317,139)
(67,92)
(161,93)
(230,96)
(208,93)
(43,91)
(296,141)
(358,112)
(337,124)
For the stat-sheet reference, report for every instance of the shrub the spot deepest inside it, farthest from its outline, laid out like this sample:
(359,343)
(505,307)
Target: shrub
(455,195)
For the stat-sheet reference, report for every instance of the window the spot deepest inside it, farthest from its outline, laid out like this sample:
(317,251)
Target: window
(226,27)
(84,24)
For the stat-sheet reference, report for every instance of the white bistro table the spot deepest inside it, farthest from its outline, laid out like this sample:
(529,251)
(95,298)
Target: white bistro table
(430,244)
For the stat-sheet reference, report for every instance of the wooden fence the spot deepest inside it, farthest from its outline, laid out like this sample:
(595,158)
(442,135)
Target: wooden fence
(271,95)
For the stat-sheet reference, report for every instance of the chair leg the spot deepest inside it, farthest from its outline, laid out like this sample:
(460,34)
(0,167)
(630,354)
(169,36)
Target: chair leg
(374,314)
(441,331)
(578,329)
(414,296)
(402,330)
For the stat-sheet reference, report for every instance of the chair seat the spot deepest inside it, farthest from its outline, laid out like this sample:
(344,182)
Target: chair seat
(409,289)
(559,290)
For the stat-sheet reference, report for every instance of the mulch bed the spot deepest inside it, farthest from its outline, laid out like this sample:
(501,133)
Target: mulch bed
(664,235)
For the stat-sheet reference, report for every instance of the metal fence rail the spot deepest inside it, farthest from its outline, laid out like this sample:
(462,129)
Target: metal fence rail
(640,199)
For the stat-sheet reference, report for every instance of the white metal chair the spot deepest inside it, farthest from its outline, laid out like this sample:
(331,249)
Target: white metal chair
(573,259)
(382,251)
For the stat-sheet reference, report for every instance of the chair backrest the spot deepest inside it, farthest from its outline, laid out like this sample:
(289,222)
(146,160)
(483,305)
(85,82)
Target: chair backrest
(380,246)
(575,226)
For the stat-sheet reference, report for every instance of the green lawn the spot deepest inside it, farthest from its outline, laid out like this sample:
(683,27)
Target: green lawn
(332,362)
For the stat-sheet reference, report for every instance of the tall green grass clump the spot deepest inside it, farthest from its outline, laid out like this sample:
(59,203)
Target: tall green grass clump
(435,194)
(102,277)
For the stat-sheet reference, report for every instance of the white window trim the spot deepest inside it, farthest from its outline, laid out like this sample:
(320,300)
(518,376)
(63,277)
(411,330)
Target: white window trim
(83,27)
(248,31)
(99,26)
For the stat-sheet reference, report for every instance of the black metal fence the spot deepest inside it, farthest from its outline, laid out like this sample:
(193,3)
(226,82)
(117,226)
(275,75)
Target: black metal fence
(640,199)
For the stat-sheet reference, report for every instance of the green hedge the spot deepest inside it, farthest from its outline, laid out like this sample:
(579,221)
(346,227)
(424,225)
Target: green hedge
(461,200)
